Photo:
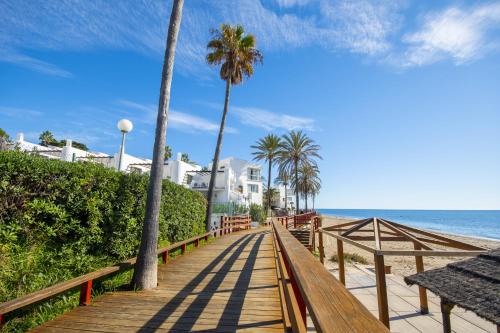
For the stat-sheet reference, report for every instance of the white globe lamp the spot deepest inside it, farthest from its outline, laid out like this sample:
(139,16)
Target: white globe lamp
(125,126)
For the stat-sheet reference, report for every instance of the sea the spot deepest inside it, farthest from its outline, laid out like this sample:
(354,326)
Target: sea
(475,223)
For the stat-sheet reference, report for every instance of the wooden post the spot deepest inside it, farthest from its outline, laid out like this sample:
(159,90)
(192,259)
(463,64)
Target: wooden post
(340,256)
(445,311)
(183,248)
(86,293)
(196,242)
(164,257)
(206,238)
(321,248)
(2,320)
(424,307)
(383,307)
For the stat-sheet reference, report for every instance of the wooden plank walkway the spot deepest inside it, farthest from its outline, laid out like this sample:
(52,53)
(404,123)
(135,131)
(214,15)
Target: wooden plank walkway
(226,286)
(404,304)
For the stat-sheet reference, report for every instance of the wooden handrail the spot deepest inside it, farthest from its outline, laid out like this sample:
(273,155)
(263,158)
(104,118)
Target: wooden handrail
(331,306)
(85,281)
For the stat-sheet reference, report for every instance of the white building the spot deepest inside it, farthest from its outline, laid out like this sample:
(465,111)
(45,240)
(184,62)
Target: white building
(237,181)
(178,171)
(69,153)
(288,197)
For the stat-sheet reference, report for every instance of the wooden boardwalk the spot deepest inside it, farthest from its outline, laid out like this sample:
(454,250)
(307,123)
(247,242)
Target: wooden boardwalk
(404,305)
(229,285)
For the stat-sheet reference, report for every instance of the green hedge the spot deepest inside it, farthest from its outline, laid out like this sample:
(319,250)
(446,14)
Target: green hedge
(60,219)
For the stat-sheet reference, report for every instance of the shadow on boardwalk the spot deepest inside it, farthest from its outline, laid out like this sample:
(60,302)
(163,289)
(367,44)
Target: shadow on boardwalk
(229,285)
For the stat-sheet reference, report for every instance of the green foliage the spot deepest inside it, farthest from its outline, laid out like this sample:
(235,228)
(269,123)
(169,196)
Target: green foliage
(4,135)
(47,138)
(74,144)
(59,220)
(350,257)
(168,153)
(257,213)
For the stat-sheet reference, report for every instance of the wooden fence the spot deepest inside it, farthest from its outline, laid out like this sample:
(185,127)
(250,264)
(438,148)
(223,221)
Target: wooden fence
(229,225)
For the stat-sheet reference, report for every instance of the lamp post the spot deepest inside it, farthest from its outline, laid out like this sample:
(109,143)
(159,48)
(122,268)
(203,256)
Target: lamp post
(125,126)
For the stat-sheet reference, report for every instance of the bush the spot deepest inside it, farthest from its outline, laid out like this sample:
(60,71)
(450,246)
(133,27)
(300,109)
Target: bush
(257,213)
(59,220)
(350,257)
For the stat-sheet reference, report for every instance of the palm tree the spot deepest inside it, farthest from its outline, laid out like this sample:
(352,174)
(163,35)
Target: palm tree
(296,150)
(308,181)
(236,53)
(273,193)
(47,138)
(283,179)
(168,153)
(146,272)
(267,149)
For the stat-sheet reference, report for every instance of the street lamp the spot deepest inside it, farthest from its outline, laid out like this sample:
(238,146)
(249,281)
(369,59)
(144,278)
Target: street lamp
(124,126)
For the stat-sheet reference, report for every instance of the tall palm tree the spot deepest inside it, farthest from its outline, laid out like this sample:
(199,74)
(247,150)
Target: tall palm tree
(296,150)
(283,179)
(236,53)
(308,181)
(145,273)
(267,149)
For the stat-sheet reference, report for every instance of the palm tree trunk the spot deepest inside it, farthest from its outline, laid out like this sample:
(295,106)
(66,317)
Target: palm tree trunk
(306,200)
(269,186)
(314,197)
(296,187)
(145,273)
(215,162)
(286,197)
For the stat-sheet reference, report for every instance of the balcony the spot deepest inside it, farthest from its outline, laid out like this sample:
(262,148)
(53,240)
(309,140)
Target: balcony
(254,178)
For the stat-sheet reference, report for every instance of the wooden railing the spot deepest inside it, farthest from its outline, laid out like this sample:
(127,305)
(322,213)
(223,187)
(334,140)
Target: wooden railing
(294,221)
(230,225)
(307,287)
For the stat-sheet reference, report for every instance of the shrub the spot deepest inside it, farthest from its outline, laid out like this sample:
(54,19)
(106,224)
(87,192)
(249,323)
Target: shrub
(257,213)
(350,257)
(59,220)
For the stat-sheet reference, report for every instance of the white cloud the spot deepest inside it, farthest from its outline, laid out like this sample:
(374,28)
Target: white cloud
(32,63)
(140,26)
(270,121)
(176,119)
(21,113)
(461,34)
(361,26)
(291,3)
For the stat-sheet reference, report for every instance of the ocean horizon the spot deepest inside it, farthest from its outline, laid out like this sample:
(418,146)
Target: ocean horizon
(474,223)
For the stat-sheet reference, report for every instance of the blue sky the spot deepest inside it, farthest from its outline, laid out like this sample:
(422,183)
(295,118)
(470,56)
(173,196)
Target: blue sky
(403,96)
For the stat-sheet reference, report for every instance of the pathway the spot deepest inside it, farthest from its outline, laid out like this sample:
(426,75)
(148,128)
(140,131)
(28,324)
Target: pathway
(404,306)
(228,285)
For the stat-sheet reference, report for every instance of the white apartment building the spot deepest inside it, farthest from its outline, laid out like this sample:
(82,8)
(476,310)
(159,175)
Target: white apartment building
(237,181)
(178,171)
(288,197)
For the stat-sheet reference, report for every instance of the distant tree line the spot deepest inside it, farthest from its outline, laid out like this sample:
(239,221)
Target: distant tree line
(46,138)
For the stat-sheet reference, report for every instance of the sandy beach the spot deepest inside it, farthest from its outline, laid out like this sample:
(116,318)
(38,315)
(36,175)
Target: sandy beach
(400,265)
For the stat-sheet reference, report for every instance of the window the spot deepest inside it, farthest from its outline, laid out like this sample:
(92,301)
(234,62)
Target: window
(253,174)
(252,188)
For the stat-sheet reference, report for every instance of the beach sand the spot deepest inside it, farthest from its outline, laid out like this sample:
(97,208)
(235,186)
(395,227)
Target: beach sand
(403,266)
